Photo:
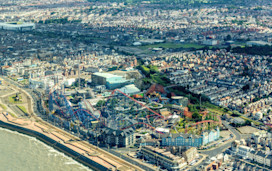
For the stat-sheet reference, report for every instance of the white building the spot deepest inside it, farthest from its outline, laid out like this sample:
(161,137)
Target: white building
(243,151)
(259,115)
(17,26)
(210,42)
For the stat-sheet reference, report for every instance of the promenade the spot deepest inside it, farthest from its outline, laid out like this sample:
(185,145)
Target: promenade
(85,149)
(104,159)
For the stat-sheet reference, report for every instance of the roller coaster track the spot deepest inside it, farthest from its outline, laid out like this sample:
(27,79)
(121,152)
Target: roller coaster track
(90,111)
(125,165)
(141,123)
(144,106)
(66,102)
(81,109)
(269,124)
(201,122)
(218,117)
(80,116)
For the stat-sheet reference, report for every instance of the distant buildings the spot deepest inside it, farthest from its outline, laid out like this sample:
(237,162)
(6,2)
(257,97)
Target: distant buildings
(256,148)
(210,42)
(257,43)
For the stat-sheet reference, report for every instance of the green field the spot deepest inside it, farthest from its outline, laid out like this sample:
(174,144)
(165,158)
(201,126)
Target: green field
(24,82)
(3,106)
(12,114)
(22,108)
(173,46)
(12,99)
(250,120)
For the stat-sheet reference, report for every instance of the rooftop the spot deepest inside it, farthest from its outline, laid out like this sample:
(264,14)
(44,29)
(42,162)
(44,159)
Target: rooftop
(106,75)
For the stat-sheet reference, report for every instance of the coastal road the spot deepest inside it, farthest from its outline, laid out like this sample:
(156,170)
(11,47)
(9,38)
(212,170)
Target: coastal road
(35,101)
(217,150)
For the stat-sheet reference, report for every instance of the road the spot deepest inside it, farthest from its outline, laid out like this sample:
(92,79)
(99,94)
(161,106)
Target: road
(217,150)
(118,154)
(254,165)
(36,96)
(37,108)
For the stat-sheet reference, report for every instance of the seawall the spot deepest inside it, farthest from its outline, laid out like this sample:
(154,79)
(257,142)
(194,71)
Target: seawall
(60,147)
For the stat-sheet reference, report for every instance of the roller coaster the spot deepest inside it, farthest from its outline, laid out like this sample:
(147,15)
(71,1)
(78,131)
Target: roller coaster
(120,111)
(206,122)
(131,113)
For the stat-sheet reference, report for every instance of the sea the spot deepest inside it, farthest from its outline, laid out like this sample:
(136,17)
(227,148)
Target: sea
(19,152)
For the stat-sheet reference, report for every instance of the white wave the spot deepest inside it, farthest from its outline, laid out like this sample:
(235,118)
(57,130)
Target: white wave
(70,162)
(17,133)
(50,149)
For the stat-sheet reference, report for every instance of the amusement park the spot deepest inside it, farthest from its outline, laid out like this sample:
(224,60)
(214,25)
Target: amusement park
(120,119)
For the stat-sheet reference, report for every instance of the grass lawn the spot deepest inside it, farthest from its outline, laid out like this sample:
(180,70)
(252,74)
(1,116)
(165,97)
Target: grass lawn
(173,46)
(3,106)
(12,114)
(255,123)
(24,82)
(12,99)
(22,108)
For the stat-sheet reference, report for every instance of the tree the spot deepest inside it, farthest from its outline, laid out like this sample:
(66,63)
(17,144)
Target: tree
(247,122)
(196,116)
(100,103)
(245,87)
(228,37)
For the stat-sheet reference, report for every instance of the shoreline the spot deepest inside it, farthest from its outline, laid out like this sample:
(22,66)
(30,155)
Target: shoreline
(56,145)
(82,151)
(91,156)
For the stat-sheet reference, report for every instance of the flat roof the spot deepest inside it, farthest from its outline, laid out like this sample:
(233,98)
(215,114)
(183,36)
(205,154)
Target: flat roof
(106,75)
(17,24)
(177,97)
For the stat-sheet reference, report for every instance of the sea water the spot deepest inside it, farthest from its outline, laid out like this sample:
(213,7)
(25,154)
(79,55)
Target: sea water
(19,152)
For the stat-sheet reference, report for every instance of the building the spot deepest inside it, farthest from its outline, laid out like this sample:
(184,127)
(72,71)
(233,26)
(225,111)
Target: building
(149,142)
(243,151)
(130,89)
(257,43)
(191,139)
(259,115)
(109,80)
(188,153)
(117,138)
(237,120)
(8,71)
(17,26)
(214,165)
(210,42)
(163,158)
(261,158)
(179,100)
